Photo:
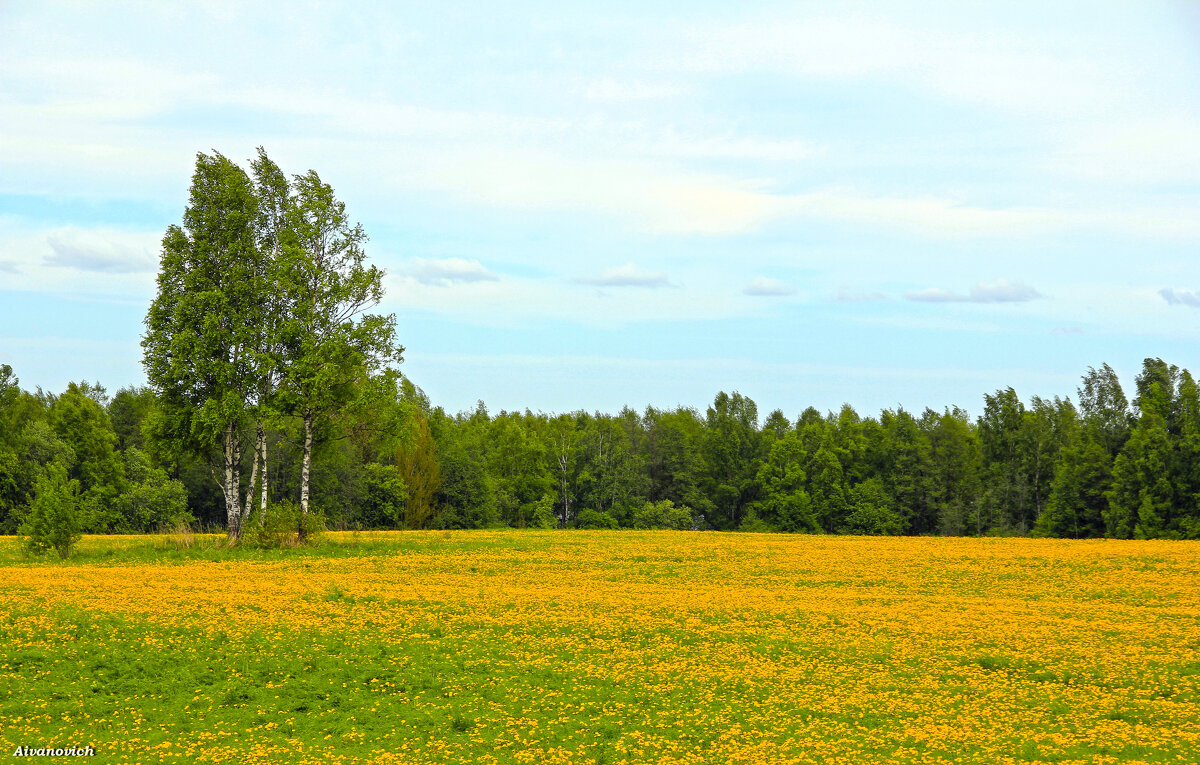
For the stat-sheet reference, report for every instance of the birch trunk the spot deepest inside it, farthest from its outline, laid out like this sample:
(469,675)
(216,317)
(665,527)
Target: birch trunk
(262,446)
(243,503)
(253,480)
(231,487)
(305,468)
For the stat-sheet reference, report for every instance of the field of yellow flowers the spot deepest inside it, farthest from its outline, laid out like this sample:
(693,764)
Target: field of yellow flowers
(606,647)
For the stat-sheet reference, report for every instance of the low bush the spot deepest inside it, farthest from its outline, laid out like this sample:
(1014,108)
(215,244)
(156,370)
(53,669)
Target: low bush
(663,515)
(594,519)
(281,525)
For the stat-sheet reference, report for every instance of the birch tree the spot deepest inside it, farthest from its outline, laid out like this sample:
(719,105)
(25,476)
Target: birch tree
(330,343)
(201,329)
(272,234)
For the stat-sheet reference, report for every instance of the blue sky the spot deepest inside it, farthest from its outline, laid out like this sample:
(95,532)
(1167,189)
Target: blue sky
(903,204)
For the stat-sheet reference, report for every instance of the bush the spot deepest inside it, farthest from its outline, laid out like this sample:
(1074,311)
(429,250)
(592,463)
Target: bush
(53,522)
(153,500)
(281,525)
(543,515)
(594,519)
(663,515)
(752,523)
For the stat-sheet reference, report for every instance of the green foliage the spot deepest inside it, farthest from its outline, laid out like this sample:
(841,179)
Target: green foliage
(12,496)
(153,500)
(1104,408)
(594,519)
(53,521)
(905,453)
(541,513)
(663,514)
(383,497)
(732,449)
(1077,502)
(203,327)
(674,461)
(128,411)
(785,505)
(871,511)
(1141,499)
(42,446)
(826,488)
(751,523)
(281,524)
(383,456)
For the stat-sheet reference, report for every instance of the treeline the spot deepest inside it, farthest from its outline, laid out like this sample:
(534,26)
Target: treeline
(128,474)
(274,400)
(1104,466)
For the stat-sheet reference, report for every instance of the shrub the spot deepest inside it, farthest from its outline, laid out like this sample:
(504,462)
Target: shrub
(594,519)
(752,523)
(281,525)
(543,516)
(53,521)
(662,515)
(153,499)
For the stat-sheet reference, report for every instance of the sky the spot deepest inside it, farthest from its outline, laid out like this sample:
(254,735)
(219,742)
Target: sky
(884,204)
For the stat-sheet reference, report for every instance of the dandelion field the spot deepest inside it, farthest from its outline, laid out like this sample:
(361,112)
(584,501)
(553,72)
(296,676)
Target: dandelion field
(606,647)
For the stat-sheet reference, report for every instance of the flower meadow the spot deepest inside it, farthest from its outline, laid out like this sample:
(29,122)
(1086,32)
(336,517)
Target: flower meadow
(605,647)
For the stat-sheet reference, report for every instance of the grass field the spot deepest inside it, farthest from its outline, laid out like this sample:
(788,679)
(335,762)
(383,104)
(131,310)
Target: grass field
(607,647)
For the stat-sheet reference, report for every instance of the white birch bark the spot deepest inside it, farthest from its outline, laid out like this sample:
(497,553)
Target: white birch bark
(306,467)
(262,446)
(232,484)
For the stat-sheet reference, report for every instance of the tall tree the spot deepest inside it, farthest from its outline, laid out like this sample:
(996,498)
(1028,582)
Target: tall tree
(1002,439)
(1104,408)
(954,468)
(733,452)
(273,229)
(202,328)
(785,503)
(329,343)
(1142,495)
(1187,458)
(674,463)
(905,465)
(83,425)
(1077,503)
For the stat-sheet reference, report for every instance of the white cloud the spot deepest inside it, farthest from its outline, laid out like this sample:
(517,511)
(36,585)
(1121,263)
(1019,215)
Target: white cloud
(442,272)
(1181,297)
(627,275)
(645,173)
(934,295)
(999,291)
(766,287)
(102,261)
(101,250)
